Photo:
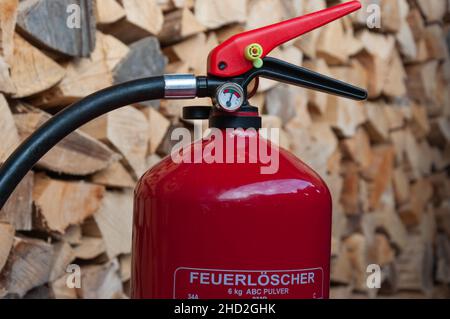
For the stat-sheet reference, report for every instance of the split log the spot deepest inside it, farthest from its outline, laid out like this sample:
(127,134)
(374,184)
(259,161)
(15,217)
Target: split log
(142,19)
(413,265)
(413,158)
(443,258)
(440,132)
(395,116)
(419,123)
(263,13)
(433,10)
(350,192)
(43,21)
(89,248)
(170,5)
(356,248)
(179,25)
(8,18)
(377,124)
(329,45)
(158,126)
(115,176)
(18,209)
(308,42)
(153,160)
(395,82)
(401,186)
(421,83)
(6,83)
(314,145)
(114,219)
(78,154)
(101,282)
(406,41)
(378,50)
(85,76)
(379,173)
(125,267)
(193,51)
(441,185)
(416,23)
(32,72)
(435,41)
(391,13)
(73,235)
(358,148)
(8,130)
(61,204)
(345,116)
(318,101)
(63,255)
(443,218)
(125,129)
(108,11)
(60,290)
(144,59)
(384,254)
(216,13)
(282,102)
(354,73)
(388,221)
(421,193)
(6,243)
(28,266)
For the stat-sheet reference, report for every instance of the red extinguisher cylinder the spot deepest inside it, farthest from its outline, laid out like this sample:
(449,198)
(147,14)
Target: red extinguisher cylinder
(226,231)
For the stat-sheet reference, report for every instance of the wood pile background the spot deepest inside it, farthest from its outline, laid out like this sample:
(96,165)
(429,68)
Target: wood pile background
(385,160)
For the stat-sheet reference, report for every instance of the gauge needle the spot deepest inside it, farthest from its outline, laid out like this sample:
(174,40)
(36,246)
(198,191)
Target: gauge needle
(229,101)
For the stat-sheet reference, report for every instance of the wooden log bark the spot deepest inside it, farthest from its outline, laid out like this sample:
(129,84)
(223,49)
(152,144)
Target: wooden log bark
(46,23)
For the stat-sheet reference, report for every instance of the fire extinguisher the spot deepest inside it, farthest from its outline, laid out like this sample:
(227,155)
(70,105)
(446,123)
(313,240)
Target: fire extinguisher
(216,229)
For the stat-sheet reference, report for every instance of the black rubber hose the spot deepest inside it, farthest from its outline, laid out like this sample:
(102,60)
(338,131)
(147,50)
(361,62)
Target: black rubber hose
(70,119)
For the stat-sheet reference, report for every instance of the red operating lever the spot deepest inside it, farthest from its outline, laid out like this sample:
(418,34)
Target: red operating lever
(229,59)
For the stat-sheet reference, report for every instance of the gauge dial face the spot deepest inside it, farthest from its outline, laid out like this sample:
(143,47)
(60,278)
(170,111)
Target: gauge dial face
(230,97)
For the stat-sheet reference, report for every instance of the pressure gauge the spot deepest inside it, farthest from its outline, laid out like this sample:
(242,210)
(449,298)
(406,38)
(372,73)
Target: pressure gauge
(230,97)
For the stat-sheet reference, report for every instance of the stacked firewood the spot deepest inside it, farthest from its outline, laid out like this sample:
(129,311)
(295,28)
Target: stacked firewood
(385,160)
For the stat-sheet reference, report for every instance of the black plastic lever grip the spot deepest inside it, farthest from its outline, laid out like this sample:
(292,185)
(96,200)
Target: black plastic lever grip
(278,70)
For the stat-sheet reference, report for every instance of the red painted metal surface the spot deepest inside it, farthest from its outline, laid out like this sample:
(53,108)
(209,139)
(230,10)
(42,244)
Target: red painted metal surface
(231,52)
(229,224)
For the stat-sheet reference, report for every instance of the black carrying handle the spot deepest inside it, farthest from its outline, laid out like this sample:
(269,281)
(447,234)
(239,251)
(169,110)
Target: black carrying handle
(282,71)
